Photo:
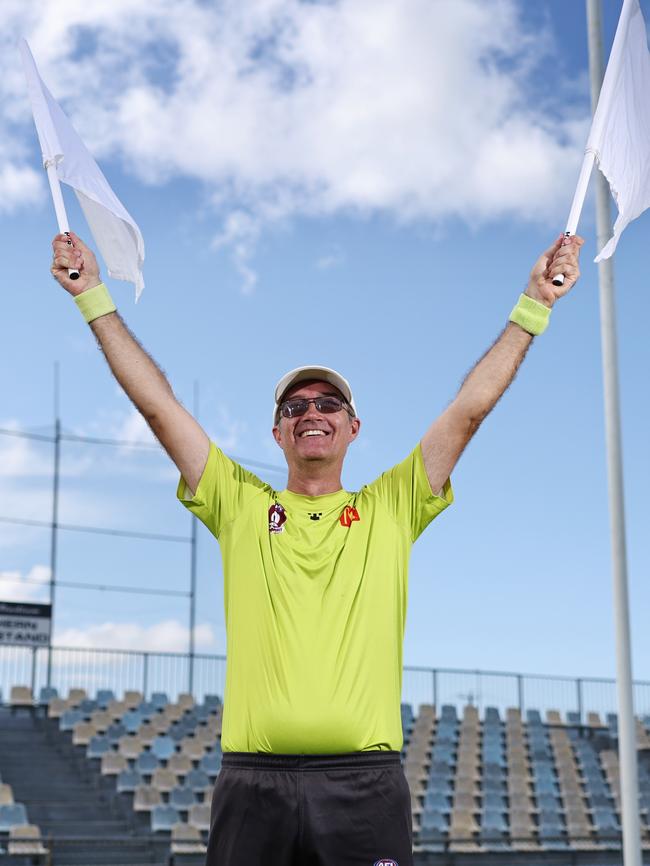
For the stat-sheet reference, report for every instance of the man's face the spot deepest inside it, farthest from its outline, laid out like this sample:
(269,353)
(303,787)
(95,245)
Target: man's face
(334,431)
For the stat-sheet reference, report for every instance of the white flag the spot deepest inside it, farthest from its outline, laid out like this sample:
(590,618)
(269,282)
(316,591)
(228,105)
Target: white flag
(115,232)
(620,131)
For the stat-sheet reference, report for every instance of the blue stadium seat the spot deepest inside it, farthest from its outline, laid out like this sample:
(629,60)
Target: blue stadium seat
(45,695)
(98,746)
(128,781)
(146,763)
(87,706)
(104,697)
(495,784)
(178,731)
(492,715)
(147,709)
(12,815)
(163,747)
(441,770)
(115,731)
(573,718)
(69,719)
(203,713)
(210,763)
(159,700)
(493,820)
(440,785)
(433,826)
(547,802)
(182,798)
(533,717)
(214,701)
(436,802)
(197,779)
(132,720)
(448,713)
(163,818)
(494,802)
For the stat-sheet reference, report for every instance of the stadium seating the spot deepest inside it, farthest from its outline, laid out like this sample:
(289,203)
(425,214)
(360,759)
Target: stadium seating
(496,784)
(488,781)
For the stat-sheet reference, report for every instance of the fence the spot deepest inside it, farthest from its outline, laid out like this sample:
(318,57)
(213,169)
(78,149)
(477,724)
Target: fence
(149,672)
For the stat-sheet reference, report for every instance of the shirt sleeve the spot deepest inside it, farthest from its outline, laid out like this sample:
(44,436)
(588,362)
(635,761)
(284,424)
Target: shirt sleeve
(406,493)
(223,491)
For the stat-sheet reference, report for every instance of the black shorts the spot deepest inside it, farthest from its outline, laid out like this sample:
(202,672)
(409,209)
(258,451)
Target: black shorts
(311,810)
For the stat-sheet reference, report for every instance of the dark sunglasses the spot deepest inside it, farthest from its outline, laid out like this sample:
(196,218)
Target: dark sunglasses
(327,404)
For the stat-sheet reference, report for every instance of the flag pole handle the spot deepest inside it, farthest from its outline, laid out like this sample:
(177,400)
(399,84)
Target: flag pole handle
(59,207)
(578,202)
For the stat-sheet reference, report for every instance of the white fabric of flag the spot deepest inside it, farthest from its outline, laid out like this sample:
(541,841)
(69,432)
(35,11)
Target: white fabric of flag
(620,131)
(115,232)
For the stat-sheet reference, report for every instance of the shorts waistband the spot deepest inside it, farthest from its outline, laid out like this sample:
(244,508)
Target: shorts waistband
(350,760)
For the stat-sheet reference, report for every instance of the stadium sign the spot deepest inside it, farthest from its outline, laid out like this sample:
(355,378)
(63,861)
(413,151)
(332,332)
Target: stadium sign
(25,623)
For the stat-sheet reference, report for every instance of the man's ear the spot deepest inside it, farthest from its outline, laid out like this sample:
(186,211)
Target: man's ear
(355,426)
(277,435)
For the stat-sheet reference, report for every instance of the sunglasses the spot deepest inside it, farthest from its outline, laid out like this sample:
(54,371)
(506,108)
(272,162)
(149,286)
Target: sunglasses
(327,404)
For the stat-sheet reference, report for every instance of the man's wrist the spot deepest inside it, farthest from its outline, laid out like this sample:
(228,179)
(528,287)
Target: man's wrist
(531,315)
(531,293)
(95,302)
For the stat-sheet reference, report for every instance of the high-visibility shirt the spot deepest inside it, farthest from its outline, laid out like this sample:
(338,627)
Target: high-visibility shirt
(315,595)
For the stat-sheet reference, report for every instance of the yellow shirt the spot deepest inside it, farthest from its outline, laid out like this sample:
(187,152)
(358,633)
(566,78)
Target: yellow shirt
(315,593)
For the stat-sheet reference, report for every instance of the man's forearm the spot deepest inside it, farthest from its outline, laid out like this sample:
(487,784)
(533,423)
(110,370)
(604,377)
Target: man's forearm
(492,374)
(135,370)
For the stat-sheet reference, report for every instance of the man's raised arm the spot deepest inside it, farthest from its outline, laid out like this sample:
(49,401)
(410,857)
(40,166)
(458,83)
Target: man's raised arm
(138,374)
(445,440)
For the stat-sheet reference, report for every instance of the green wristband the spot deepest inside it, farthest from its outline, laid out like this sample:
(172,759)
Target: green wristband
(95,302)
(530,315)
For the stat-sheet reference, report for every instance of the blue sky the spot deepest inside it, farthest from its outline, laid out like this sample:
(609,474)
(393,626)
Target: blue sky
(364,185)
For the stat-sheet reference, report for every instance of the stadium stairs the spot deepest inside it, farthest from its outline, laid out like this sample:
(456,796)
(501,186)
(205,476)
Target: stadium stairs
(63,795)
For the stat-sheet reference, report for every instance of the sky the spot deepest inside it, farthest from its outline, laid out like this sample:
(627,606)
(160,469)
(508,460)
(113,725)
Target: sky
(364,184)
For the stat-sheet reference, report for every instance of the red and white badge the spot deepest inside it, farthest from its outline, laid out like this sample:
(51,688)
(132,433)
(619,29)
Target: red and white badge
(277,517)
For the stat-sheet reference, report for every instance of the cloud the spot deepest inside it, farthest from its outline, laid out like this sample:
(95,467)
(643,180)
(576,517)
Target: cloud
(32,586)
(417,110)
(165,636)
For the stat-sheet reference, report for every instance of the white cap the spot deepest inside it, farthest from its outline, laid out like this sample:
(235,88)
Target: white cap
(303,374)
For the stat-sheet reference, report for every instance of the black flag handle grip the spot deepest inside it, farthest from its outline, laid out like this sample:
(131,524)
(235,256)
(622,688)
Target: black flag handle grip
(558,279)
(73,273)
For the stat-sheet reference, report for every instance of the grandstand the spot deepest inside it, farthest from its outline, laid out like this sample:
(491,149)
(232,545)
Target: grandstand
(127,779)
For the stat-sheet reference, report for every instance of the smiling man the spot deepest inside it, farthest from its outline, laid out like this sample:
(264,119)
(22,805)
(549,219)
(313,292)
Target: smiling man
(315,587)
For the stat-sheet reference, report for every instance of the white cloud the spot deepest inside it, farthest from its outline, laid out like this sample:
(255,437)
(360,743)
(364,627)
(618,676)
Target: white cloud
(418,110)
(32,586)
(165,636)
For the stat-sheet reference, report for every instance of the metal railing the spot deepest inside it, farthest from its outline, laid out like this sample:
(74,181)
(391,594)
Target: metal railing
(148,672)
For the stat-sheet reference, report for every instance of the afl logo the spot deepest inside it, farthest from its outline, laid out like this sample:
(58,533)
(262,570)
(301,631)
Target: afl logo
(385,863)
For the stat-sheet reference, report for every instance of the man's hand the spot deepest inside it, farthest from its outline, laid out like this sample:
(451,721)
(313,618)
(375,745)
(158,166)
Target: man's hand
(560,258)
(71,252)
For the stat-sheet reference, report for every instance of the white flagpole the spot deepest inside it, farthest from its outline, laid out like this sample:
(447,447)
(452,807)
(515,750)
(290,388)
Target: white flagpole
(578,202)
(626,724)
(59,207)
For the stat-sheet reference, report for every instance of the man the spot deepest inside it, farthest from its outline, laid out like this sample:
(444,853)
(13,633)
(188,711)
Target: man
(315,586)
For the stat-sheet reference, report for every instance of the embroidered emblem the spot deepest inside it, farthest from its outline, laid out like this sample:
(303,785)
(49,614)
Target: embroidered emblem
(315,515)
(385,863)
(349,515)
(277,518)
